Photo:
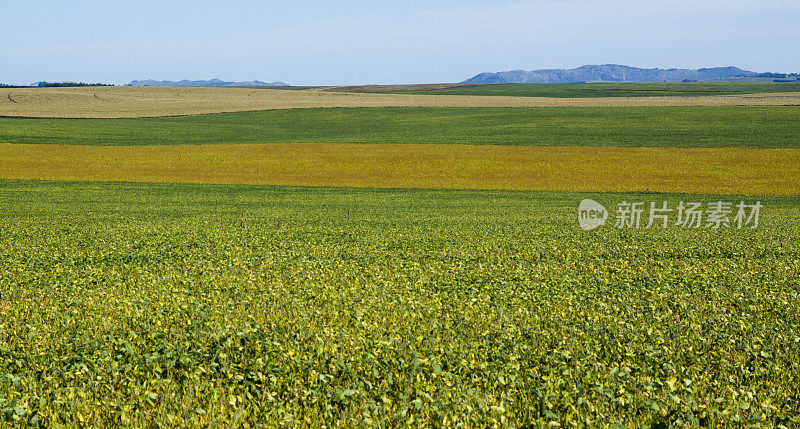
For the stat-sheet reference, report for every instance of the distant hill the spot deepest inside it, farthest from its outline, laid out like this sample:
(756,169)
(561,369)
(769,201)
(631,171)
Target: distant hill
(610,73)
(212,82)
(44,84)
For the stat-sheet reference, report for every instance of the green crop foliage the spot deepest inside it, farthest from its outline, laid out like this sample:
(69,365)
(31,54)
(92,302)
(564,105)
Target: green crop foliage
(757,126)
(203,305)
(579,90)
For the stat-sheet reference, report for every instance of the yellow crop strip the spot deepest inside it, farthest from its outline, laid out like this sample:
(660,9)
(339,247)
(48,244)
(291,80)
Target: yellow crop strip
(131,102)
(690,170)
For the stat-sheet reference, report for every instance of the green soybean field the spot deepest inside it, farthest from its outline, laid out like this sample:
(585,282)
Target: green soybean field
(164,305)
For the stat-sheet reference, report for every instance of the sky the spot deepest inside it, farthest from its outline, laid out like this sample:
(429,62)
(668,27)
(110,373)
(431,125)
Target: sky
(350,42)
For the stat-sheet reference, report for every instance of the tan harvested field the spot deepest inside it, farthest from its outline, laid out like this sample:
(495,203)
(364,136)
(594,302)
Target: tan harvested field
(690,170)
(129,102)
(397,88)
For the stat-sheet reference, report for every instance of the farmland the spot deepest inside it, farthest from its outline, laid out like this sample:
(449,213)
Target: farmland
(431,166)
(745,127)
(134,102)
(198,305)
(317,258)
(582,90)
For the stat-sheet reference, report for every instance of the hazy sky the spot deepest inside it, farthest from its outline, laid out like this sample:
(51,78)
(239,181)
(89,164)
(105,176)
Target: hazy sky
(354,42)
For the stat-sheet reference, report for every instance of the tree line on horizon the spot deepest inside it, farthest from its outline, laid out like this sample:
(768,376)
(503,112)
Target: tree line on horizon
(55,85)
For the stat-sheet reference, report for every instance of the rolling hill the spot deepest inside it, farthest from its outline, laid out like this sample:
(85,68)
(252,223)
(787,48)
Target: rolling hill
(610,73)
(211,82)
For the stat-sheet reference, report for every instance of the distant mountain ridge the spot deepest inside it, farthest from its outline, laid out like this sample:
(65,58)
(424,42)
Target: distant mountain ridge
(211,82)
(610,73)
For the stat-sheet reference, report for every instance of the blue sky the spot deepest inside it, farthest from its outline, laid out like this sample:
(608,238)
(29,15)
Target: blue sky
(356,42)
